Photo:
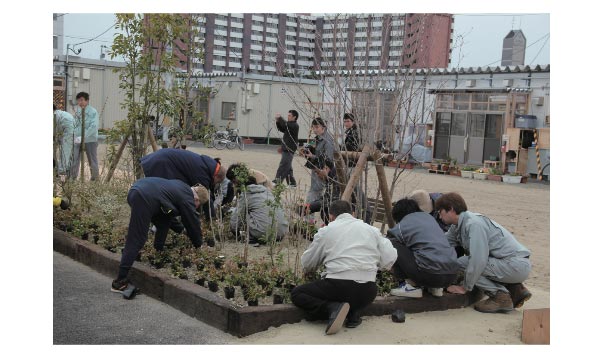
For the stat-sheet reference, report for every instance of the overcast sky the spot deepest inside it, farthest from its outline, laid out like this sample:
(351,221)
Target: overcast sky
(481,36)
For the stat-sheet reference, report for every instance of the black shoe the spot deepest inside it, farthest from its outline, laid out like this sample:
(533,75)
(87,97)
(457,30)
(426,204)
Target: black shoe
(353,320)
(118,286)
(337,315)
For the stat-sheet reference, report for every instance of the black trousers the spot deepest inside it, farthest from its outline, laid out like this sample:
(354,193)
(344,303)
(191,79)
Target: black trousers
(285,171)
(406,267)
(313,297)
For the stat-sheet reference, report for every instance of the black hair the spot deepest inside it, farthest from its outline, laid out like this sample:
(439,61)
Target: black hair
(349,116)
(54,105)
(318,121)
(232,170)
(84,95)
(404,207)
(339,207)
(294,114)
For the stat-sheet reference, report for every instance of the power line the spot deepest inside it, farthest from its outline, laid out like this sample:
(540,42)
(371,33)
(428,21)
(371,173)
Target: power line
(544,45)
(84,38)
(501,15)
(108,29)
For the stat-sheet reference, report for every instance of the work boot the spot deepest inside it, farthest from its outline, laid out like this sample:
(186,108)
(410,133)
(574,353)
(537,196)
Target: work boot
(337,315)
(518,293)
(497,303)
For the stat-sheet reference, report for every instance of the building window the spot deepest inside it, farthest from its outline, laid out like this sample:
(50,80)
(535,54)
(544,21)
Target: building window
(55,41)
(228,111)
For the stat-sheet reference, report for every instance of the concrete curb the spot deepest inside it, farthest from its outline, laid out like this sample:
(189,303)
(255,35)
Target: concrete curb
(200,303)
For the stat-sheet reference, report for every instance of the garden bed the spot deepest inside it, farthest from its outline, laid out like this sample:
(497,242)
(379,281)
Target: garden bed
(221,313)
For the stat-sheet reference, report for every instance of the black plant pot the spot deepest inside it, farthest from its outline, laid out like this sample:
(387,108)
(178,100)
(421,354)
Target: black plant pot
(229,292)
(69,228)
(96,238)
(200,281)
(290,286)
(186,263)
(253,303)
(279,281)
(277,299)
(210,242)
(62,226)
(218,264)
(183,276)
(111,249)
(242,265)
(213,286)
(269,292)
(158,264)
(200,266)
(85,235)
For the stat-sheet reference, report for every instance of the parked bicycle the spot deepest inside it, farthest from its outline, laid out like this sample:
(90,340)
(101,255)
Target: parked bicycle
(229,138)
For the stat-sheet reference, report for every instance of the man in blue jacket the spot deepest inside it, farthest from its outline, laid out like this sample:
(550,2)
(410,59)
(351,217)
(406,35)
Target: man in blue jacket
(187,166)
(158,200)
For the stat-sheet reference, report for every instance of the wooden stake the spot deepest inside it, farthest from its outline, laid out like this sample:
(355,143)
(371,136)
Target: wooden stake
(360,166)
(111,170)
(152,140)
(385,192)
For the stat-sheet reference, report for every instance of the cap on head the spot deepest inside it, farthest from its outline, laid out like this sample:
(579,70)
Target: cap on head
(423,200)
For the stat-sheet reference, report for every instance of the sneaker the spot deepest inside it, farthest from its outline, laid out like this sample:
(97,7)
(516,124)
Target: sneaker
(497,303)
(436,292)
(406,290)
(337,315)
(153,229)
(353,320)
(118,286)
(518,293)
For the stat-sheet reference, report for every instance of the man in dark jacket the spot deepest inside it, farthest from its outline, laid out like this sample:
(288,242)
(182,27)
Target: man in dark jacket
(189,167)
(424,254)
(158,200)
(288,147)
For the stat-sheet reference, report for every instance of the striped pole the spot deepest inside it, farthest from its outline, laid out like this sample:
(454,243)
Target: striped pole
(537,154)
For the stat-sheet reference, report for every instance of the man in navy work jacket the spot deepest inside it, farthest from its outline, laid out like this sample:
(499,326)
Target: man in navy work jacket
(158,200)
(189,167)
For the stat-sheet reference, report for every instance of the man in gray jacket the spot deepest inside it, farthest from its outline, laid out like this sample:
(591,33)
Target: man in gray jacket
(424,254)
(495,262)
(351,251)
(257,212)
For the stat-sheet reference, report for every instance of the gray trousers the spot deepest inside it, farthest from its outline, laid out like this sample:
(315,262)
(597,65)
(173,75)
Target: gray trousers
(285,167)
(498,271)
(91,151)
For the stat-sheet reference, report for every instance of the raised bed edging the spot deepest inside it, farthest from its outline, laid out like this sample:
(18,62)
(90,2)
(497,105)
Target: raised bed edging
(200,303)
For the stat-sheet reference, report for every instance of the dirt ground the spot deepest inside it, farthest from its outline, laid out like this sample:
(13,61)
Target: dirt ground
(524,209)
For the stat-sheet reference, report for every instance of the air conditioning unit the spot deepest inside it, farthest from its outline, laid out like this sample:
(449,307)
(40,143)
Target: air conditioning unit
(507,82)
(85,73)
(470,83)
(498,98)
(539,101)
(256,88)
(76,73)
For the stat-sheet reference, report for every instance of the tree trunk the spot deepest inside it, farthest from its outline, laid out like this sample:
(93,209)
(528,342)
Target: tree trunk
(82,144)
(152,140)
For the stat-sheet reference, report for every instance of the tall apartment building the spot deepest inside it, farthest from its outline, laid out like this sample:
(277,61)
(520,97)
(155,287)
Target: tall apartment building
(58,31)
(278,44)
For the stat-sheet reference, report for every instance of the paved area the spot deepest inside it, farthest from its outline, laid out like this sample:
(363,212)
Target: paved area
(87,312)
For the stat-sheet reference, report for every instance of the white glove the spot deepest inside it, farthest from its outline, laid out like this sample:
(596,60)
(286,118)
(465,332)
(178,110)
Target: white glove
(77,139)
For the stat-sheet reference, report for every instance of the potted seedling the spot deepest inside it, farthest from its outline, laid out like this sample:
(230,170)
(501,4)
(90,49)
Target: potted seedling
(254,294)
(200,278)
(229,288)
(495,174)
(278,295)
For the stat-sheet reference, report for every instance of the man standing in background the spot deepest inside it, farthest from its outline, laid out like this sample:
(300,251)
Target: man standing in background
(90,138)
(289,144)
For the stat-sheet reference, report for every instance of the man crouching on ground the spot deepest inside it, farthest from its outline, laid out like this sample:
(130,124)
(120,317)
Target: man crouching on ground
(351,251)
(495,262)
